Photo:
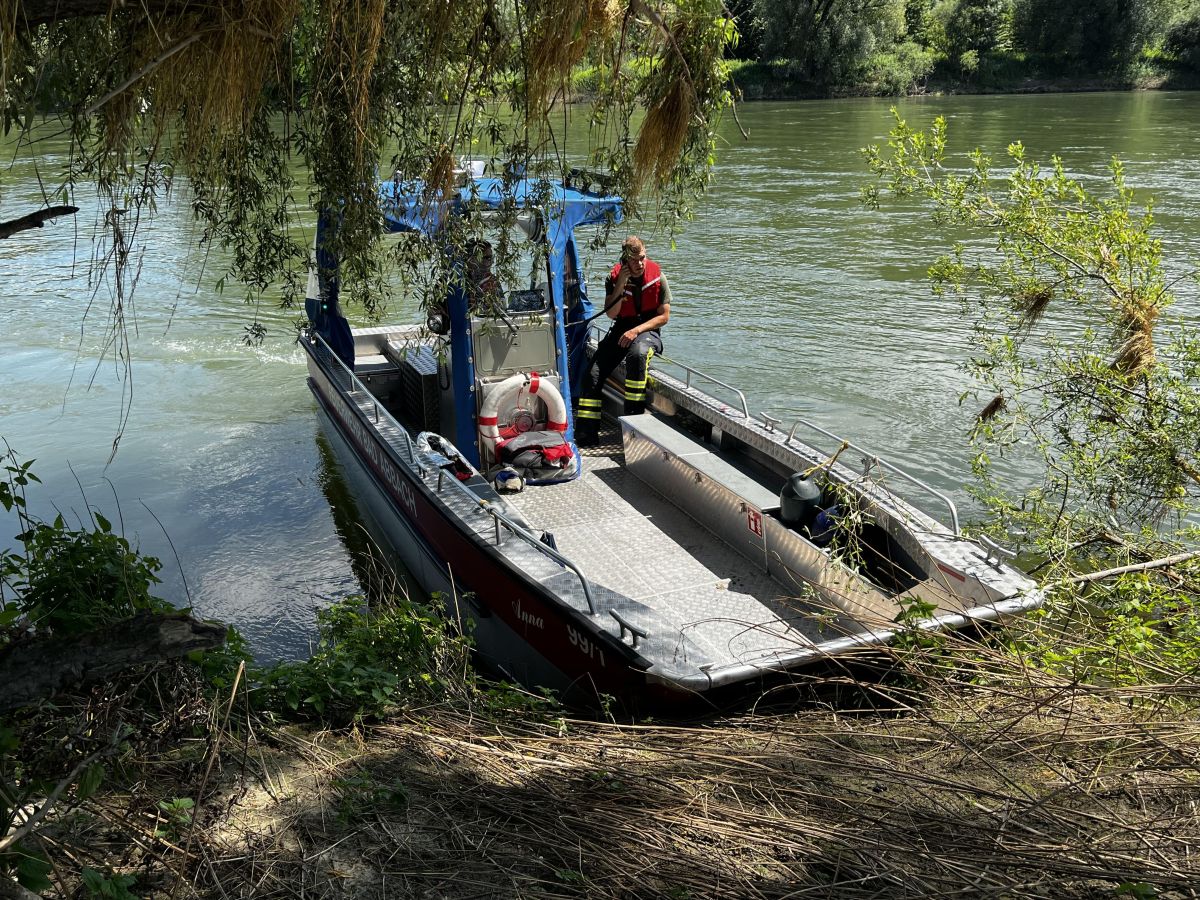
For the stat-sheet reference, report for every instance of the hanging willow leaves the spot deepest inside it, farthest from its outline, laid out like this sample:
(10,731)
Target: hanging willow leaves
(273,108)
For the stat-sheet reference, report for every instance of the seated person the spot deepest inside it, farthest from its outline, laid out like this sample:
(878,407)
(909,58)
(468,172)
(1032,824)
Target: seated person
(483,287)
(638,300)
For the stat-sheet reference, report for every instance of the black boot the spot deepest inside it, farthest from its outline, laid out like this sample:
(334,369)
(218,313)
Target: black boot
(587,432)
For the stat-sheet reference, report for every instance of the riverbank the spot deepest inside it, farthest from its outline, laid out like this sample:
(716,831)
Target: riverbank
(774,81)
(968,773)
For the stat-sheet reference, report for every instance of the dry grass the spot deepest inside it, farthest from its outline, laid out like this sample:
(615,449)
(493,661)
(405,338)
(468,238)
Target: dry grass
(1020,787)
(1031,303)
(1135,354)
(663,132)
(216,82)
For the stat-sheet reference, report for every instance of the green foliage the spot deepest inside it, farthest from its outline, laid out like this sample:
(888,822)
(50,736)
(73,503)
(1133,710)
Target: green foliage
(829,43)
(176,817)
(79,579)
(1182,39)
(1080,36)
(1093,383)
(111,886)
(1136,629)
(366,662)
(977,26)
(219,665)
(1072,340)
(32,869)
(69,580)
(362,791)
(865,45)
(899,70)
(914,611)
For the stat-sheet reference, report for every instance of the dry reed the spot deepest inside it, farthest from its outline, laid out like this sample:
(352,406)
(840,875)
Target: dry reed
(1135,354)
(662,134)
(989,780)
(560,35)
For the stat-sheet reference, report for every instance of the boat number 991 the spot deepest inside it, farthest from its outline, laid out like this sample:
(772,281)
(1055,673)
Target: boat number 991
(586,646)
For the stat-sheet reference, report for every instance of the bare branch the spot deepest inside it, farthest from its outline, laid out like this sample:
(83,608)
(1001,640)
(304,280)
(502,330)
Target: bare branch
(1136,567)
(34,220)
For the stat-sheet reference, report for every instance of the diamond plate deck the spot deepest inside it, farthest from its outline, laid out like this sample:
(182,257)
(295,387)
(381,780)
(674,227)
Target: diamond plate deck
(629,539)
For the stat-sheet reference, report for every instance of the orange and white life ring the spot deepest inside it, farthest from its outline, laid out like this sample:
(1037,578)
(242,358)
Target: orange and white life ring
(516,388)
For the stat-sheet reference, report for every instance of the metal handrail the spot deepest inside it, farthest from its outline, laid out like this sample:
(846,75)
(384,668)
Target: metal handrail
(772,422)
(658,357)
(480,502)
(527,536)
(870,458)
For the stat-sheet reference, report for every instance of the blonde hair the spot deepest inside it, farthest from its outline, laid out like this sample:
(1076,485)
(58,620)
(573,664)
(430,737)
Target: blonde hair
(632,247)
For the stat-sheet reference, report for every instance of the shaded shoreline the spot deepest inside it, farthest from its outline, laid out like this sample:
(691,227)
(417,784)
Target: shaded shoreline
(757,82)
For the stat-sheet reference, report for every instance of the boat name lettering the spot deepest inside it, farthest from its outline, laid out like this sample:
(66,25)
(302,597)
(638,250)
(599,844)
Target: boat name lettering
(527,617)
(401,489)
(585,645)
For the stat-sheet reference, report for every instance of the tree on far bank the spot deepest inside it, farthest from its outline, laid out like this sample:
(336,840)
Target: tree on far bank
(828,41)
(1085,36)
(1182,40)
(978,26)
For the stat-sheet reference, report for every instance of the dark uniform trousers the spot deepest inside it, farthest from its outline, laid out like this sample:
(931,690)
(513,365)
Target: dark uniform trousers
(608,356)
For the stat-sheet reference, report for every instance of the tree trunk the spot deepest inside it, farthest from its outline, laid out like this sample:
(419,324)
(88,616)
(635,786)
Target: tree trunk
(41,666)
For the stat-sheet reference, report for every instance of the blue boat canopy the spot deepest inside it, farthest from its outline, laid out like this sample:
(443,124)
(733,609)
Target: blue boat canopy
(563,208)
(558,210)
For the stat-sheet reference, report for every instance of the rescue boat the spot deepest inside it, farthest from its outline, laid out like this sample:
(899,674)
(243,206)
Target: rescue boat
(699,545)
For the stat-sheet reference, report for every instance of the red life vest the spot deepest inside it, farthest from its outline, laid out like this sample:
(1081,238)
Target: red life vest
(645,307)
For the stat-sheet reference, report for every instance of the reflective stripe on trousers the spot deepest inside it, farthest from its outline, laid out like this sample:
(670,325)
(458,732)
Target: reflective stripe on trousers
(589,407)
(637,367)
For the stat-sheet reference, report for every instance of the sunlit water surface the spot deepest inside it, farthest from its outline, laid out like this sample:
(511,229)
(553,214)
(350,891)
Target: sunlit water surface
(784,285)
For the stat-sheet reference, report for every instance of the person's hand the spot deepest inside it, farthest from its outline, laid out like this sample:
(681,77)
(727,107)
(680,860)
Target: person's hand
(623,275)
(628,337)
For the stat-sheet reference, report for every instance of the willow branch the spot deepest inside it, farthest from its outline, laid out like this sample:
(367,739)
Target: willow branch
(145,70)
(661,24)
(163,57)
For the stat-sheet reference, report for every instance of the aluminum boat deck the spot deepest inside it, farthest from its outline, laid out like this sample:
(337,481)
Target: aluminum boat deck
(712,593)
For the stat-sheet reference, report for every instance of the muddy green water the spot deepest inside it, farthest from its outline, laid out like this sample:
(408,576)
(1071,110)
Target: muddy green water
(784,285)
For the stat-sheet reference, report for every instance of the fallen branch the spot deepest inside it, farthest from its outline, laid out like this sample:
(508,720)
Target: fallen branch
(42,666)
(34,219)
(1136,567)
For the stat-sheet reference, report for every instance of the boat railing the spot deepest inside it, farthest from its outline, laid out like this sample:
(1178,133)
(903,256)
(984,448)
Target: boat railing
(352,384)
(696,373)
(528,537)
(870,461)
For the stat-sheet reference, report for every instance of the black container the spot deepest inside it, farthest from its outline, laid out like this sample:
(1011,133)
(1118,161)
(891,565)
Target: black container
(799,501)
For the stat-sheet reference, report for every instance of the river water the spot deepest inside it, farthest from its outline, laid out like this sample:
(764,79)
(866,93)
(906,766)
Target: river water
(783,285)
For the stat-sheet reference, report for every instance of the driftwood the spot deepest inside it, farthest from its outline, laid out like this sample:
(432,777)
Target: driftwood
(41,666)
(34,219)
